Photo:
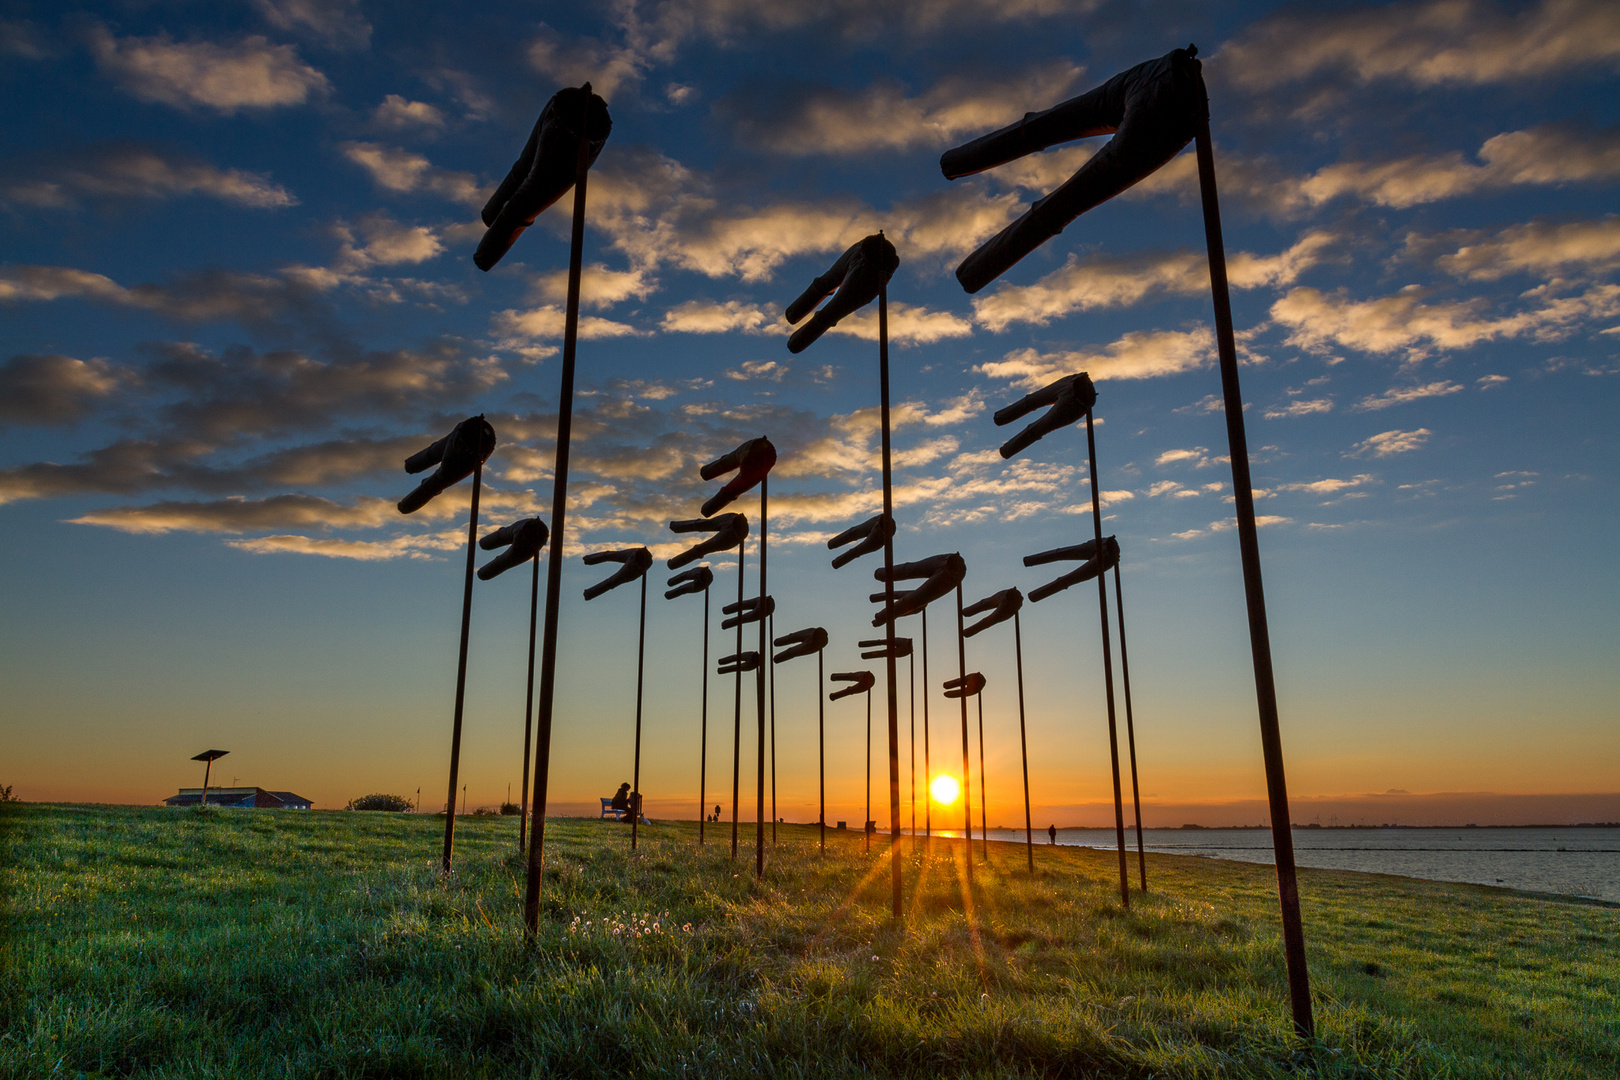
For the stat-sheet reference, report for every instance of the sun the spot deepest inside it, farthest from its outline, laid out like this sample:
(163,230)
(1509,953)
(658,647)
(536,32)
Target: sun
(945,789)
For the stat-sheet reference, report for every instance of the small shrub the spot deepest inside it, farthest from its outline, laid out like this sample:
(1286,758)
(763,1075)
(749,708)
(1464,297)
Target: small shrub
(7,796)
(379,802)
(510,809)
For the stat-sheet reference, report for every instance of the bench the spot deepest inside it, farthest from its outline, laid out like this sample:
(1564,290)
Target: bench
(610,811)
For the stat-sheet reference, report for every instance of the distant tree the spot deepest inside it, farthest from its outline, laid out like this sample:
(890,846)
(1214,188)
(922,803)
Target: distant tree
(511,809)
(379,802)
(7,796)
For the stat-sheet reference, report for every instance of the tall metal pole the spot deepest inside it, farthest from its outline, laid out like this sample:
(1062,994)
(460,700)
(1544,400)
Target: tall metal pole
(208,770)
(967,778)
(911,700)
(461,670)
(928,769)
(635,776)
(703,743)
(559,510)
(888,608)
(866,825)
(1130,724)
(528,707)
(736,709)
(984,799)
(1282,839)
(1108,665)
(770,658)
(1023,739)
(821,742)
(759,678)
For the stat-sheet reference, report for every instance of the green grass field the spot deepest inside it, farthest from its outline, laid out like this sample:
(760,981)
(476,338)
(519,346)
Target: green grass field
(250,944)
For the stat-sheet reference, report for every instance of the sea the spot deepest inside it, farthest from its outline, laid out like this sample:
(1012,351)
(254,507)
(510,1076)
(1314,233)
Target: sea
(1581,862)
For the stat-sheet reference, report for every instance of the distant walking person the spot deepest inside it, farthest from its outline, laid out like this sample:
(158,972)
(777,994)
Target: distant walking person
(1051,833)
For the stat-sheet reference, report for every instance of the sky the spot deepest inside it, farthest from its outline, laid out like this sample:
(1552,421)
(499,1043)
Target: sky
(236,291)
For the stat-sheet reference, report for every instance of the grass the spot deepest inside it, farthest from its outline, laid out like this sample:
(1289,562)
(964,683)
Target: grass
(155,942)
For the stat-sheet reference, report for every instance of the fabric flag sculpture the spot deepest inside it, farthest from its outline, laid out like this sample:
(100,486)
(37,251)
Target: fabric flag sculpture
(857,277)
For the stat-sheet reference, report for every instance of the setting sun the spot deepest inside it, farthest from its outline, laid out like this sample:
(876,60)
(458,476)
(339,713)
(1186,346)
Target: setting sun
(946,790)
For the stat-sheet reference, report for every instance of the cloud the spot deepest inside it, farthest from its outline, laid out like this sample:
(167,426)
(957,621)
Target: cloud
(404,172)
(396,113)
(599,287)
(829,120)
(1425,43)
(54,389)
(1114,282)
(379,240)
(1402,322)
(134,172)
(571,61)
(420,546)
(1330,486)
(200,297)
(720,317)
(908,324)
(238,515)
(249,74)
(1260,520)
(1389,443)
(335,23)
(1198,457)
(1536,248)
(1546,156)
(1403,395)
(547,321)
(1140,354)
(1300,408)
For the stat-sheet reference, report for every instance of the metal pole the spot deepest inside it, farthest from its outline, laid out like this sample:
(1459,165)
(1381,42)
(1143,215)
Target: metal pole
(559,511)
(984,802)
(1282,839)
(770,657)
(888,609)
(703,743)
(928,769)
(967,785)
(759,680)
(528,708)
(736,710)
(866,824)
(461,668)
(1108,666)
(635,775)
(1130,724)
(911,700)
(208,769)
(1023,740)
(821,742)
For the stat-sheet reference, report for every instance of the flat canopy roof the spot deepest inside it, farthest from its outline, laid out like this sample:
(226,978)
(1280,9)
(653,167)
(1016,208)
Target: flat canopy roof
(210,755)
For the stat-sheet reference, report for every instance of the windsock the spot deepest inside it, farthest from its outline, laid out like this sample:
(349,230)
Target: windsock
(522,540)
(857,276)
(468,446)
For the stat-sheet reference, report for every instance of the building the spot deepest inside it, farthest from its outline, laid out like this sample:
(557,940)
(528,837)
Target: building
(246,798)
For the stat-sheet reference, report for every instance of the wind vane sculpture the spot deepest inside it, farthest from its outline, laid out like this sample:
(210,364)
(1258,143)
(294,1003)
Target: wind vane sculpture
(900,649)
(458,455)
(635,564)
(584,116)
(752,461)
(802,643)
(859,276)
(998,608)
(971,685)
(523,541)
(572,128)
(690,583)
(860,682)
(1153,110)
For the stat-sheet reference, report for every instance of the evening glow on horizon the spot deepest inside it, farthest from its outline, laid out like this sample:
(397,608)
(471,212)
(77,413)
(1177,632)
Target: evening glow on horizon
(237,291)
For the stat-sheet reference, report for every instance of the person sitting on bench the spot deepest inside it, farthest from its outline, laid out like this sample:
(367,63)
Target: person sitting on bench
(621,800)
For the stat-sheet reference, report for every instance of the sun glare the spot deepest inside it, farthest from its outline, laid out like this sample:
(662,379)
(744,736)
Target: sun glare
(946,790)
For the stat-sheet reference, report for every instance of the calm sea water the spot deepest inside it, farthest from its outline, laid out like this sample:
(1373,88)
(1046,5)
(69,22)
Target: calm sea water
(1576,862)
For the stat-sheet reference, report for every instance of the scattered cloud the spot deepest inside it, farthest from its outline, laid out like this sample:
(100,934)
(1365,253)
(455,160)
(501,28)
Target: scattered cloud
(599,287)
(55,389)
(397,113)
(337,24)
(571,61)
(1536,248)
(547,321)
(1300,407)
(379,240)
(1260,520)
(1403,395)
(908,324)
(1140,354)
(405,173)
(135,172)
(1390,443)
(1329,486)
(249,74)
(720,317)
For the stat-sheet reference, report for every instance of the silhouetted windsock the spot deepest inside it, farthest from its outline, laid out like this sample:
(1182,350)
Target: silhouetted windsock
(737,663)
(688,582)
(522,539)
(857,276)
(1151,110)
(967,686)
(872,533)
(880,648)
(1093,566)
(1070,398)
(805,642)
(747,611)
(729,530)
(752,461)
(943,573)
(859,683)
(468,446)
(1001,606)
(545,170)
(637,561)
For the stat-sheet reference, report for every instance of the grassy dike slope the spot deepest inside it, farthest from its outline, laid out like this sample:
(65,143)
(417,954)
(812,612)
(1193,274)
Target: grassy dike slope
(145,942)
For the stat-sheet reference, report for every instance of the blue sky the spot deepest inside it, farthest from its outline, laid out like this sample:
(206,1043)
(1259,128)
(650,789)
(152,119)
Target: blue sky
(237,291)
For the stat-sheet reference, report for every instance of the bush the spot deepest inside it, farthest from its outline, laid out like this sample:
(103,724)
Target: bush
(511,809)
(380,802)
(7,796)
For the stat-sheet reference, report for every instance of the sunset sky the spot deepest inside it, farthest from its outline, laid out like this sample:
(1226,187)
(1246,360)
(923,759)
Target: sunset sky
(236,290)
